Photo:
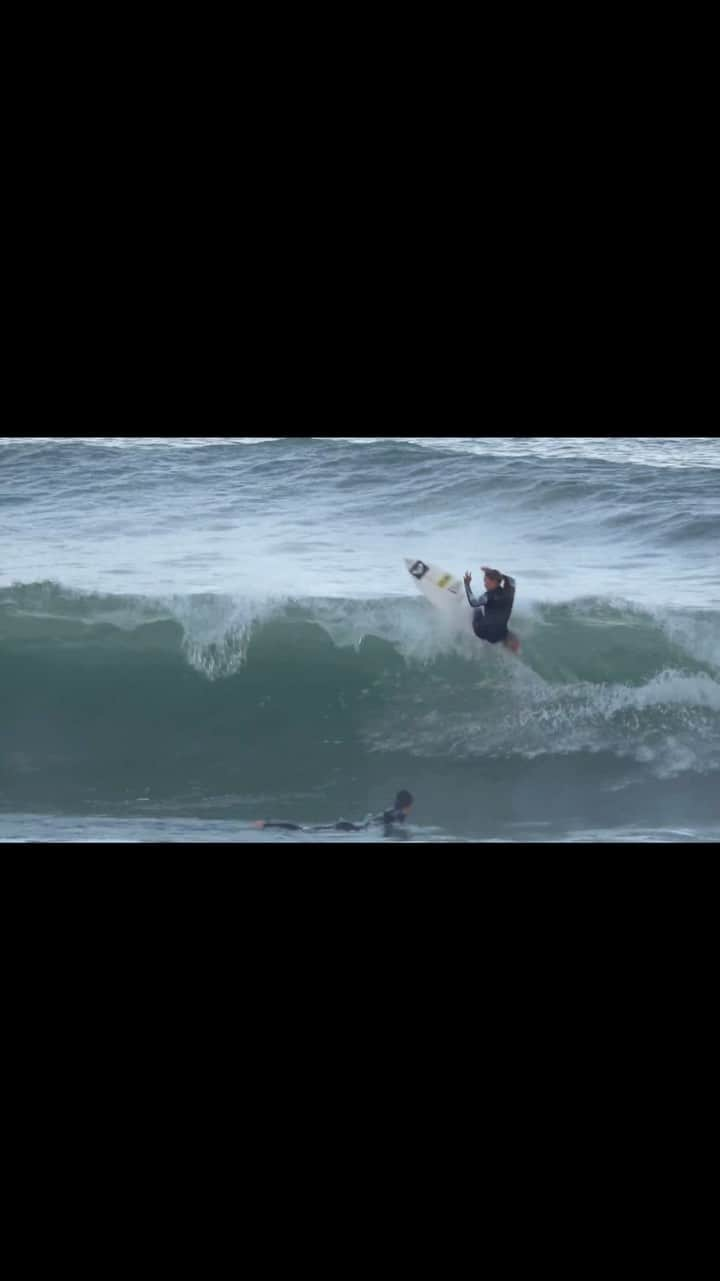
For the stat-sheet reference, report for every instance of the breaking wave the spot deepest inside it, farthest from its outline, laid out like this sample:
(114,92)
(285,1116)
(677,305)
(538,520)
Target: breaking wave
(139,699)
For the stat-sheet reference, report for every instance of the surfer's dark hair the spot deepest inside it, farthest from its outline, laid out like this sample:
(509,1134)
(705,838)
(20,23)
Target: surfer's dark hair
(493,573)
(403,798)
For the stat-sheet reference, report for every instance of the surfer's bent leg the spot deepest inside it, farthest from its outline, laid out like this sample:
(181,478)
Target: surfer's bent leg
(488,631)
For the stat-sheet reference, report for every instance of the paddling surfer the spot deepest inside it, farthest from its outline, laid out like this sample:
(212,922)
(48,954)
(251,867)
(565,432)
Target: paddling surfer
(397,813)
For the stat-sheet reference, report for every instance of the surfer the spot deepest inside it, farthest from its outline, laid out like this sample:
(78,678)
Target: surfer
(397,813)
(493,609)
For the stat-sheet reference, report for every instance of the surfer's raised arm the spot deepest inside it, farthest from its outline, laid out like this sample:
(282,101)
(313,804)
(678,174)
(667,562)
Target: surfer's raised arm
(474,604)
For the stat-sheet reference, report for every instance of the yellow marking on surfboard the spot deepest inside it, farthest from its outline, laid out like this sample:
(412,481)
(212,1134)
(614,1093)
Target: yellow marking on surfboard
(443,582)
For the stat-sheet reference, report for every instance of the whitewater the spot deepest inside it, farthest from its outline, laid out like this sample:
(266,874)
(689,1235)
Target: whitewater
(199,631)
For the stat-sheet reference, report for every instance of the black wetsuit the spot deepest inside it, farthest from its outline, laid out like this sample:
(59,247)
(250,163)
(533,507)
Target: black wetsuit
(387,818)
(492,611)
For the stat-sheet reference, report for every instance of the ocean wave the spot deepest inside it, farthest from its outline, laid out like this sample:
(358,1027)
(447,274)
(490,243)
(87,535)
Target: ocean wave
(337,516)
(252,636)
(590,638)
(206,694)
(653,451)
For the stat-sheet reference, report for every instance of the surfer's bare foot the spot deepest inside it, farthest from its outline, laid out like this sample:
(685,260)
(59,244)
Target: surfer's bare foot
(511,642)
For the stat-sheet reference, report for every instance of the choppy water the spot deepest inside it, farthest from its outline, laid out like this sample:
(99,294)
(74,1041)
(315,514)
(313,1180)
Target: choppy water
(196,632)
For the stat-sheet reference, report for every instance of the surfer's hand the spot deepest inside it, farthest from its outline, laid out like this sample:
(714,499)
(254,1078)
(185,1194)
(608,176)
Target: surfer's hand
(467,577)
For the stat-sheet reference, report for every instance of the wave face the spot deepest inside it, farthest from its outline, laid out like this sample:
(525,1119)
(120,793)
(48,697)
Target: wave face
(225,706)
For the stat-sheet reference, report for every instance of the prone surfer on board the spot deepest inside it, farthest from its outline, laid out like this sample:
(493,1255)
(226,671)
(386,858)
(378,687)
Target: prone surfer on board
(396,814)
(493,609)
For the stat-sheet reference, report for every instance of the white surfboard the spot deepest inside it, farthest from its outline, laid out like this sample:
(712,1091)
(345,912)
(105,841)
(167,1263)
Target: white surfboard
(442,589)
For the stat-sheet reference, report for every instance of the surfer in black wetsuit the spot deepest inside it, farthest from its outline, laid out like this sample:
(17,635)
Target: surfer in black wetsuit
(493,609)
(396,814)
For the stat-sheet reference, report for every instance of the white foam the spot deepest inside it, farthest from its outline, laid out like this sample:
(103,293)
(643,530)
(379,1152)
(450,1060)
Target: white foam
(217,629)
(668,723)
(419,632)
